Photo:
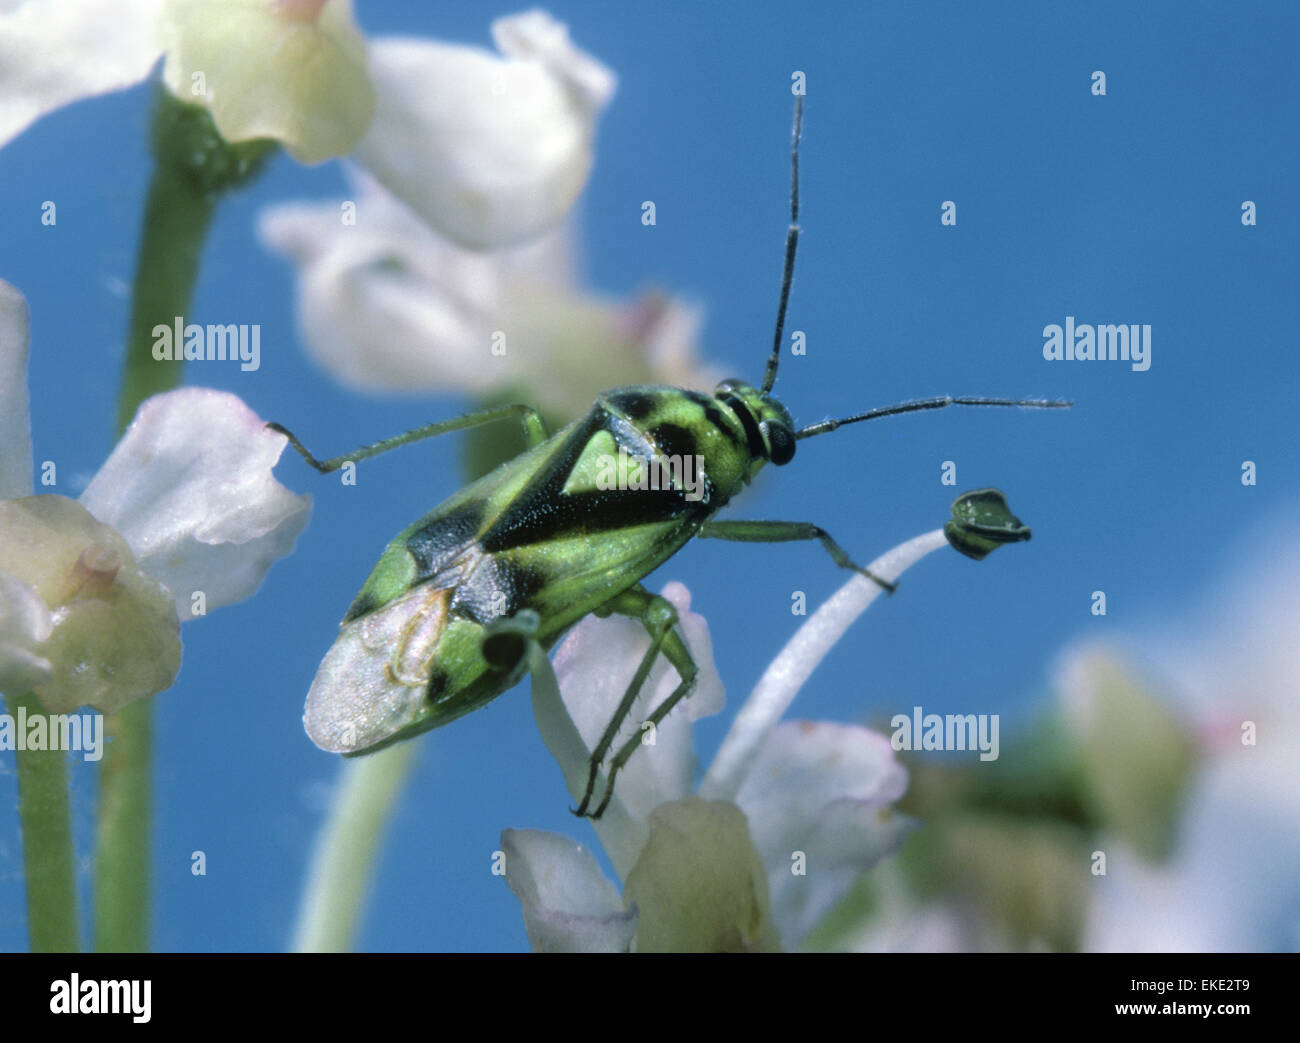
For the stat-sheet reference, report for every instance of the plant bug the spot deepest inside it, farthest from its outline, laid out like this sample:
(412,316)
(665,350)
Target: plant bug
(442,624)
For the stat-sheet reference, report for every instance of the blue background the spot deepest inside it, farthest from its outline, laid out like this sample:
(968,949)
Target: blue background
(1121,209)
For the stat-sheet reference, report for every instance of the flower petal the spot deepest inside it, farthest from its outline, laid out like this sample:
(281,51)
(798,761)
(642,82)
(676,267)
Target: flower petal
(386,304)
(15,421)
(594,665)
(110,633)
(794,664)
(568,904)
(699,883)
(490,151)
(1137,755)
(291,71)
(190,488)
(821,789)
(25,622)
(54,52)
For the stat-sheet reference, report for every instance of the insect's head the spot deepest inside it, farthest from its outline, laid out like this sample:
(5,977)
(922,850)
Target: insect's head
(766,421)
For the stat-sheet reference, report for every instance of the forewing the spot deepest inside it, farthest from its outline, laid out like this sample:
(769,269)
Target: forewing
(372,682)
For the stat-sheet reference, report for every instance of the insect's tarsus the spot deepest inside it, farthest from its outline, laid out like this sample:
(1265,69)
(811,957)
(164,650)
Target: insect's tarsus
(791,246)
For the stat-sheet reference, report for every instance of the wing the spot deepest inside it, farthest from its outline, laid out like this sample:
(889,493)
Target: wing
(371,684)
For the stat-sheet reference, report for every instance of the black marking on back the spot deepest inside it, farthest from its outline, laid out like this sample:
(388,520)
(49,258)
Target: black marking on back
(675,440)
(435,545)
(543,511)
(437,687)
(718,419)
(757,449)
(637,404)
(479,596)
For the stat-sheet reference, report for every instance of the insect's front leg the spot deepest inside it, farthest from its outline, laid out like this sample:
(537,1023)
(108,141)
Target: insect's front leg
(659,617)
(783,532)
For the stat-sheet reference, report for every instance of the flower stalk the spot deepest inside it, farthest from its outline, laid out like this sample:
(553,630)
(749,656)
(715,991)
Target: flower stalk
(193,167)
(795,663)
(49,864)
(344,860)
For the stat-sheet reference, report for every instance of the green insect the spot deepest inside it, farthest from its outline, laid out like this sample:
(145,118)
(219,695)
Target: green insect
(569,527)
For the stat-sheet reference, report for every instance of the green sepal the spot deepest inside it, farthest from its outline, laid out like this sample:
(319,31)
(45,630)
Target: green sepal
(186,144)
(982,522)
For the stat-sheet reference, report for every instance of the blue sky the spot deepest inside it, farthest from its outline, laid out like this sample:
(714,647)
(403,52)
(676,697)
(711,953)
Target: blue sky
(1117,209)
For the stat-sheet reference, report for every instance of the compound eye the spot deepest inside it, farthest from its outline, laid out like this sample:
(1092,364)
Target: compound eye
(780,443)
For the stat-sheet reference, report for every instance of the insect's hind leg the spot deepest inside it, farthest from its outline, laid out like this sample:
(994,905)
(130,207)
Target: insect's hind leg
(534,432)
(659,617)
(782,532)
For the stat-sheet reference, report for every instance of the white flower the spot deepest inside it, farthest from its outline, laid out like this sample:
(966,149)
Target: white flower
(292,70)
(788,817)
(490,149)
(1232,881)
(386,304)
(92,592)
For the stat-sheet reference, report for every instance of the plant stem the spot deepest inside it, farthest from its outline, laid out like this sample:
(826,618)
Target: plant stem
(344,860)
(122,867)
(48,860)
(795,663)
(193,168)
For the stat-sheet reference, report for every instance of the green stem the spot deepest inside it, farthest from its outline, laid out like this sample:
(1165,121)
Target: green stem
(122,867)
(344,860)
(48,859)
(193,168)
(176,218)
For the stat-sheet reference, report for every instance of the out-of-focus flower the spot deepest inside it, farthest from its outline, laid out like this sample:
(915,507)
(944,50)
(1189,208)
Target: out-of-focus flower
(388,305)
(1174,756)
(184,516)
(490,149)
(291,70)
(1232,880)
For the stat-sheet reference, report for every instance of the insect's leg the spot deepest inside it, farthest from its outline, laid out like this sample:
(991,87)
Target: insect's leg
(659,617)
(676,652)
(782,532)
(534,431)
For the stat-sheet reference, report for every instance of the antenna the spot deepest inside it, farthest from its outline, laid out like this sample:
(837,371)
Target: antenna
(791,245)
(938,402)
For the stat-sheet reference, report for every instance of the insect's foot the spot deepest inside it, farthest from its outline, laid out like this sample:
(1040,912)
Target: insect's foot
(888,587)
(592,773)
(595,815)
(298,447)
